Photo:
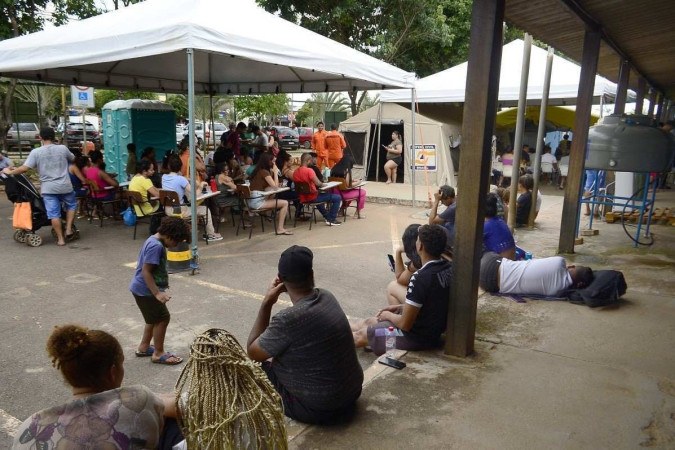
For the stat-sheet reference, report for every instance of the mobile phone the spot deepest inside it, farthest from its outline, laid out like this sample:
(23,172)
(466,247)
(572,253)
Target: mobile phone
(391,362)
(392,265)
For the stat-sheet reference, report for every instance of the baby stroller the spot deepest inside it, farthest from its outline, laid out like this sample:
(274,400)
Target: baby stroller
(19,189)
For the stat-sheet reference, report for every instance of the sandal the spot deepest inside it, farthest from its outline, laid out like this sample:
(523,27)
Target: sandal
(148,352)
(168,359)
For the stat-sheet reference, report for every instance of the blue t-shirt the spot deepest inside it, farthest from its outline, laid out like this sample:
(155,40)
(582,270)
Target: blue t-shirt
(175,182)
(152,252)
(496,235)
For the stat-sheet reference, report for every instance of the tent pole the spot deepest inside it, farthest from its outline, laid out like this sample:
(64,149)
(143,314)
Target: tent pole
(213,131)
(412,144)
(379,143)
(520,125)
(540,136)
(191,137)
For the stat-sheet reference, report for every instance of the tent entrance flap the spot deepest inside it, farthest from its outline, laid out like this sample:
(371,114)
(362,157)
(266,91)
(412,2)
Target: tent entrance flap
(356,145)
(387,129)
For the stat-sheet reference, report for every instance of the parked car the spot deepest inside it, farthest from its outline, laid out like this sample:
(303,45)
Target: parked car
(180,133)
(74,135)
(27,133)
(287,138)
(218,129)
(305,134)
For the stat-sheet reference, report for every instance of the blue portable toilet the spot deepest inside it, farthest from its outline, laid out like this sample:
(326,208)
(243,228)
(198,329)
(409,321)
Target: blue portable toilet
(146,123)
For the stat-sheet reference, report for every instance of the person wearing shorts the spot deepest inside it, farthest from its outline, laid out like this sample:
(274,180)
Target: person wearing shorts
(150,285)
(51,162)
(421,319)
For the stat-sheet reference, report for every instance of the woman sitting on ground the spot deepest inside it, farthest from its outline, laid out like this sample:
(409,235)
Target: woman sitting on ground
(343,169)
(403,271)
(524,201)
(496,234)
(102,181)
(102,414)
(264,178)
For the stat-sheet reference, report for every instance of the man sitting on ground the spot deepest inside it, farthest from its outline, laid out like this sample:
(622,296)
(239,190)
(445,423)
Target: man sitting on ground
(422,318)
(304,174)
(446,196)
(314,365)
(549,277)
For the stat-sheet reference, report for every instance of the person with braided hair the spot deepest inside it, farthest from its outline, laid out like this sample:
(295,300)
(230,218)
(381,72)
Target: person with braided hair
(102,414)
(306,350)
(225,399)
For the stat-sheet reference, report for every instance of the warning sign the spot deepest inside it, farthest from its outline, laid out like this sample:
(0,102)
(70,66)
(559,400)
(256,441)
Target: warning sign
(425,157)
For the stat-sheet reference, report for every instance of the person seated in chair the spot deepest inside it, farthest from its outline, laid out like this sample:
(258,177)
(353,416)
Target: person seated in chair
(422,318)
(265,178)
(549,277)
(174,181)
(343,169)
(96,173)
(304,174)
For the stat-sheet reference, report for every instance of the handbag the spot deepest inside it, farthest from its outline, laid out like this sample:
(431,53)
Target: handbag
(129,217)
(23,217)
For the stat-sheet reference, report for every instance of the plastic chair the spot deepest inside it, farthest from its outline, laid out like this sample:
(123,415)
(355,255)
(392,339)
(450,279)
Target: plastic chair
(244,193)
(547,170)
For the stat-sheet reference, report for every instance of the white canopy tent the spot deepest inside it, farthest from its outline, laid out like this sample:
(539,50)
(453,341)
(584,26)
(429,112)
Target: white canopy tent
(239,49)
(448,86)
(206,46)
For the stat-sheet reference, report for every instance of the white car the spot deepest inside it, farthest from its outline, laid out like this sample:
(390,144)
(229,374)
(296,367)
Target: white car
(180,133)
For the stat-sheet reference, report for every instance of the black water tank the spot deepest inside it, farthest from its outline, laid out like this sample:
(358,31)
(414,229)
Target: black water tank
(629,144)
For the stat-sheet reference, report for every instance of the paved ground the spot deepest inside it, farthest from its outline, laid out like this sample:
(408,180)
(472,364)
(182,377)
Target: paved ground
(545,374)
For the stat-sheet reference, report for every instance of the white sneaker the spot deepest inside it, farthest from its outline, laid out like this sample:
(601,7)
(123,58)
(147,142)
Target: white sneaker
(333,224)
(214,237)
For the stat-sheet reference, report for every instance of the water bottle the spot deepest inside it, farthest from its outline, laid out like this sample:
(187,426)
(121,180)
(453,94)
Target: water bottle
(390,343)
(528,256)
(326,173)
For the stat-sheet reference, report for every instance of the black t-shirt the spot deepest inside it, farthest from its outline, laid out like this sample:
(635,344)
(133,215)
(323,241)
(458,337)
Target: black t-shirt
(523,208)
(429,290)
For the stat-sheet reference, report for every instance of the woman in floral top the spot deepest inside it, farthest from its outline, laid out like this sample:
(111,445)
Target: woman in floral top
(101,414)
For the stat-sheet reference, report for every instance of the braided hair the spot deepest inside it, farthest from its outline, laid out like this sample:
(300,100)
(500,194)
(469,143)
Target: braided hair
(225,399)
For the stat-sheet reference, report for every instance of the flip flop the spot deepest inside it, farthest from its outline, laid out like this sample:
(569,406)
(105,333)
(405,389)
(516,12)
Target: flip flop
(164,359)
(149,352)
(285,233)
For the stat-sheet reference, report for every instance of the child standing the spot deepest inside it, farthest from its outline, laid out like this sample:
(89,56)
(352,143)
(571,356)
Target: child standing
(149,287)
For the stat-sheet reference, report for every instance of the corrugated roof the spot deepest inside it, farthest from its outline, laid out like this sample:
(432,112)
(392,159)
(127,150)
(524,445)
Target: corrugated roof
(642,30)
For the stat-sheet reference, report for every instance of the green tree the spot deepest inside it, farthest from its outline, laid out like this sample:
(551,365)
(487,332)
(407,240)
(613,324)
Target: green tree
(262,108)
(424,36)
(103,96)
(316,106)
(179,103)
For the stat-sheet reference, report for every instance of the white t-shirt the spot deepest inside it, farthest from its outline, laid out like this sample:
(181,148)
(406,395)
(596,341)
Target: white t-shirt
(548,158)
(545,276)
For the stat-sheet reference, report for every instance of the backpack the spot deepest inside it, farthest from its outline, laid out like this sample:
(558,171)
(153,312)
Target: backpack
(605,289)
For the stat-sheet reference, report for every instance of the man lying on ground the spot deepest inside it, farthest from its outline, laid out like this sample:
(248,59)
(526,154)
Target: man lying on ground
(549,277)
(422,318)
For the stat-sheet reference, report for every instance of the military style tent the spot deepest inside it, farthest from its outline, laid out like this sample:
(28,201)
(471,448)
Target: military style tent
(367,132)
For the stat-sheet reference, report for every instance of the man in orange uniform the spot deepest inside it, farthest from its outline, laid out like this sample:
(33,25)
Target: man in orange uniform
(335,144)
(319,145)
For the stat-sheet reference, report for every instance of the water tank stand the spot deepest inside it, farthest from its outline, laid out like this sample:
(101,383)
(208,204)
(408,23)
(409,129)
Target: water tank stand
(642,203)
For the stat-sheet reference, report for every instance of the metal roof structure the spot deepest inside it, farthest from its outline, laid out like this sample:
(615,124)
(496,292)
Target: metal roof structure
(639,31)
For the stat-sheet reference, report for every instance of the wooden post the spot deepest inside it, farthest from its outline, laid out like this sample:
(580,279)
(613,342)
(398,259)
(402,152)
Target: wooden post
(622,88)
(589,67)
(652,102)
(480,108)
(640,96)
